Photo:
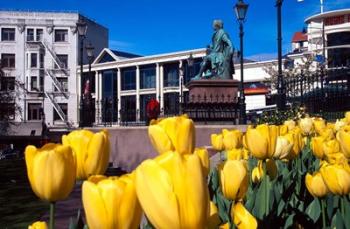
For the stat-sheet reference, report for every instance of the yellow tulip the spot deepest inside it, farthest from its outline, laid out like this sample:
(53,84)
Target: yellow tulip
(306,125)
(214,219)
(242,218)
(337,158)
(217,142)
(298,143)
(337,178)
(315,185)
(331,126)
(111,203)
(283,146)
(203,154)
(234,179)
(343,137)
(328,134)
(331,147)
(225,226)
(319,124)
(257,174)
(173,134)
(347,117)
(172,190)
(232,139)
(261,141)
(38,225)
(283,130)
(291,124)
(317,146)
(91,151)
(339,124)
(237,154)
(51,171)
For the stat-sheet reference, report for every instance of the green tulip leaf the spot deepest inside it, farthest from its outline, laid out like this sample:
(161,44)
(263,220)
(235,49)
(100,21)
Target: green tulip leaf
(339,224)
(289,221)
(281,207)
(346,215)
(330,208)
(314,210)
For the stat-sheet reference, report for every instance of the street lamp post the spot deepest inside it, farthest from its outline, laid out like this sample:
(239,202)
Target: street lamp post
(241,9)
(90,55)
(190,62)
(82,28)
(281,92)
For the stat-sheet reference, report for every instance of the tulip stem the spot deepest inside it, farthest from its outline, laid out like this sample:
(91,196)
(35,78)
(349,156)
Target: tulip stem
(323,207)
(266,189)
(52,215)
(342,207)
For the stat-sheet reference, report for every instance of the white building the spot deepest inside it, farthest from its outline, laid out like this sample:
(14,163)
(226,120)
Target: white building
(40,50)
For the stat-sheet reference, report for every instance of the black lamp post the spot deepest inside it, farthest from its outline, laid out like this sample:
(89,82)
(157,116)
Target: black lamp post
(241,9)
(90,55)
(82,28)
(281,91)
(190,62)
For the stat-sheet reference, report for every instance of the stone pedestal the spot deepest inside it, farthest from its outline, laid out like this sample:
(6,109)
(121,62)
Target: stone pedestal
(213,91)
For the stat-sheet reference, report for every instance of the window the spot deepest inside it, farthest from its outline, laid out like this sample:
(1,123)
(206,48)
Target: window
(34,83)
(64,82)
(128,79)
(30,34)
(39,34)
(41,60)
(7,111)
(171,75)
(144,99)
(63,59)
(61,35)
(171,103)
(128,108)
(148,77)
(8,34)
(64,108)
(33,60)
(7,83)
(8,60)
(34,111)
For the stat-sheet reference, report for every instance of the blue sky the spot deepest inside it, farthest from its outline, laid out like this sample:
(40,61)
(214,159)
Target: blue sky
(158,26)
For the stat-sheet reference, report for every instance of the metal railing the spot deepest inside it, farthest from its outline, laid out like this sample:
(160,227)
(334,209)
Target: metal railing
(57,107)
(57,83)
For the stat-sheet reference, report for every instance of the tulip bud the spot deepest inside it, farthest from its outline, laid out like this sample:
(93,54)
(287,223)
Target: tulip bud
(291,124)
(306,125)
(232,139)
(257,174)
(38,225)
(283,146)
(91,151)
(317,146)
(319,124)
(217,142)
(237,154)
(173,134)
(162,187)
(51,171)
(339,124)
(203,154)
(315,185)
(242,217)
(336,178)
(261,141)
(343,136)
(234,188)
(111,202)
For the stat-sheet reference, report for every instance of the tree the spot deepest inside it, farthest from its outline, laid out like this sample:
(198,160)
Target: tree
(8,106)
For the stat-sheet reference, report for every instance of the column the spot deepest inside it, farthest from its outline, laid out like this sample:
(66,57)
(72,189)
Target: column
(97,98)
(137,93)
(119,89)
(161,88)
(181,76)
(157,81)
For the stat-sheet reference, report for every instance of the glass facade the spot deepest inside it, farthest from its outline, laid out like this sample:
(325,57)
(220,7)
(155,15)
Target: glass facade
(128,78)
(171,103)
(148,77)
(109,96)
(128,108)
(171,75)
(144,99)
(338,57)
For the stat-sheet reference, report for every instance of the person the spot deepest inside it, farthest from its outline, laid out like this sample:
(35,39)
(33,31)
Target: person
(218,61)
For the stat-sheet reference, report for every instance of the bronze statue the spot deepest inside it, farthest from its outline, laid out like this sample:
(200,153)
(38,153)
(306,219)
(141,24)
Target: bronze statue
(218,62)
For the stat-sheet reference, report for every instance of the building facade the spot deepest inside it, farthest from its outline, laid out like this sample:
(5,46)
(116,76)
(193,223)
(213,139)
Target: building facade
(39,54)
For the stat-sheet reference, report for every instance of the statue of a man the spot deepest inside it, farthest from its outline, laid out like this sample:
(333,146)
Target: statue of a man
(218,62)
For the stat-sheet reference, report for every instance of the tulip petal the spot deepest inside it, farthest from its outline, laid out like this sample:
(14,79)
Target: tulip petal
(242,217)
(159,139)
(97,158)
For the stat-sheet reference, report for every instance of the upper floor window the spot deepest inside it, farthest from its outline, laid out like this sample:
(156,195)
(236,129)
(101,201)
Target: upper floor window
(148,77)
(33,60)
(39,34)
(128,79)
(34,83)
(7,83)
(171,75)
(8,34)
(61,35)
(8,60)
(30,34)
(63,59)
